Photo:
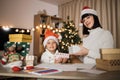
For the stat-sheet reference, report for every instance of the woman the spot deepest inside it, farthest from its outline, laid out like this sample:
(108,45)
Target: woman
(97,38)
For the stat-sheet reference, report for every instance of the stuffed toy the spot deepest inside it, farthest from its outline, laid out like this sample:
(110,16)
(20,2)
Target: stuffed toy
(11,59)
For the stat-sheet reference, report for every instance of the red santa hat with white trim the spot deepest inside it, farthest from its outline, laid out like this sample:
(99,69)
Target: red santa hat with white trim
(50,35)
(87,10)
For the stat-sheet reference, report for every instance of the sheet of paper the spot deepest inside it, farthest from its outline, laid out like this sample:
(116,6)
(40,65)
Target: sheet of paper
(67,67)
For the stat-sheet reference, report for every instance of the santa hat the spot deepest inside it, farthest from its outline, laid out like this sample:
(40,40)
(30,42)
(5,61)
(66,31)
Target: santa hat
(87,10)
(3,61)
(50,35)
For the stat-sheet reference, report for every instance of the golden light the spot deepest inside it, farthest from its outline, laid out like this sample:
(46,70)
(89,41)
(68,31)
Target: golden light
(37,27)
(22,31)
(33,29)
(16,30)
(40,25)
(28,30)
(51,28)
(44,26)
(48,26)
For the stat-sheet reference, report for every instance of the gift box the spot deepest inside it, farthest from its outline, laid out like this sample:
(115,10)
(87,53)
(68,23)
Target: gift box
(20,38)
(108,65)
(110,53)
(110,59)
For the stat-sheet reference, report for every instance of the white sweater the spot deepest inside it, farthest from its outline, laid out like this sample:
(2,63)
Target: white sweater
(97,39)
(48,57)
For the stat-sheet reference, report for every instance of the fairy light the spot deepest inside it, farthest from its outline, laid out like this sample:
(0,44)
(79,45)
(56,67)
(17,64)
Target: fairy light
(37,27)
(48,26)
(51,28)
(44,26)
(17,30)
(33,29)
(22,31)
(28,30)
(60,30)
(53,31)
(62,47)
(40,25)
(6,28)
(56,30)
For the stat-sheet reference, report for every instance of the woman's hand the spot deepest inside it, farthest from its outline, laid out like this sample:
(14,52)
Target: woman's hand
(83,51)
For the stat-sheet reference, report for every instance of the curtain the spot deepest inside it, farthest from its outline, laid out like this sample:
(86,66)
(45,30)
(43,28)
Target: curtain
(107,10)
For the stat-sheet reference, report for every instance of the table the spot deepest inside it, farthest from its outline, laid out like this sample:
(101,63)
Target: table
(68,75)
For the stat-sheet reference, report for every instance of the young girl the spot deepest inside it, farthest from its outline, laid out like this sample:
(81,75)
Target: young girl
(51,49)
(97,38)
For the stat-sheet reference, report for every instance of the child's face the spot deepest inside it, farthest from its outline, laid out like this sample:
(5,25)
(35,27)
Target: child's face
(51,45)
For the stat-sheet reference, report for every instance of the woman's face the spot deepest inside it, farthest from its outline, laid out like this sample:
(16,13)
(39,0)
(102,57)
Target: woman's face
(51,45)
(88,21)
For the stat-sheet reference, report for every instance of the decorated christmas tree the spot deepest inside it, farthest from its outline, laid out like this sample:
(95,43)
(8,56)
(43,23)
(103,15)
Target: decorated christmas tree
(69,36)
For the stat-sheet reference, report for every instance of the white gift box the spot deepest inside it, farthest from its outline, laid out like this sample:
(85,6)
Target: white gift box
(74,48)
(61,55)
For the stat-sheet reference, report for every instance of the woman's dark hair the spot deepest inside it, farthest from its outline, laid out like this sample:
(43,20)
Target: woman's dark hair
(96,23)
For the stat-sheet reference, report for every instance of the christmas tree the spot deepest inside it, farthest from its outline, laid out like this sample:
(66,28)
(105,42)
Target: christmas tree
(69,36)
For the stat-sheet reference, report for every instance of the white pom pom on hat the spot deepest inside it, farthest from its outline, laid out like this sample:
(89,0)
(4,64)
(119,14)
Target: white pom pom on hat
(87,10)
(50,35)
(81,24)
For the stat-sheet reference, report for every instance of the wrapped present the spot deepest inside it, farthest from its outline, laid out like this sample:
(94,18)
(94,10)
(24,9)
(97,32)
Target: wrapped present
(61,55)
(24,36)
(110,53)
(20,38)
(108,65)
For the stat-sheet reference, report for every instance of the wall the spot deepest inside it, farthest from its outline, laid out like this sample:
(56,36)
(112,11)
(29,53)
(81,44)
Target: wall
(20,13)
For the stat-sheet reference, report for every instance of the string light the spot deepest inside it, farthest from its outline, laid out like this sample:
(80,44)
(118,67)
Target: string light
(33,29)
(40,25)
(37,27)
(44,26)
(28,30)
(48,26)
(22,31)
(16,30)
(6,28)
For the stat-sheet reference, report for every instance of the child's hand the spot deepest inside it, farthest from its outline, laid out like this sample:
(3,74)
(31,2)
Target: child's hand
(58,60)
(61,60)
(64,60)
